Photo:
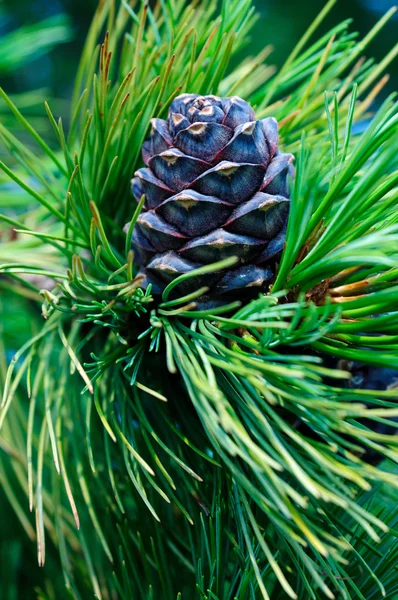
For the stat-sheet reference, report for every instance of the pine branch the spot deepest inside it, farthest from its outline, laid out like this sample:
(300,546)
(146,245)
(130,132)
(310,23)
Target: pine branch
(218,430)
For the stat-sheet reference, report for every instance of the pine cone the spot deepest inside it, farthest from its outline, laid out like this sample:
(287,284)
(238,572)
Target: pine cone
(215,186)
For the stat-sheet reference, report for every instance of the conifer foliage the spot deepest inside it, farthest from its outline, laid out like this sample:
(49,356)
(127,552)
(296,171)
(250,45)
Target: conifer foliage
(173,449)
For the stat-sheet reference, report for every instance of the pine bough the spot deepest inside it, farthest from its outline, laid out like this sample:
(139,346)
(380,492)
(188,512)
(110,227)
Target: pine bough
(170,450)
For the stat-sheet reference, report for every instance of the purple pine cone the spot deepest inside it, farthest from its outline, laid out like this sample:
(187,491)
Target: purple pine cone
(215,186)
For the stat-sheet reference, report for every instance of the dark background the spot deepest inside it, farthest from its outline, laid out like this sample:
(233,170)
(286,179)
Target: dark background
(281,24)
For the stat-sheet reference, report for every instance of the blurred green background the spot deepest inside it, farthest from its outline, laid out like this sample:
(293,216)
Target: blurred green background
(281,24)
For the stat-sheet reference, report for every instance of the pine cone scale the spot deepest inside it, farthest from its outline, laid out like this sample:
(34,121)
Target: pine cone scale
(203,140)
(219,245)
(176,169)
(194,213)
(263,216)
